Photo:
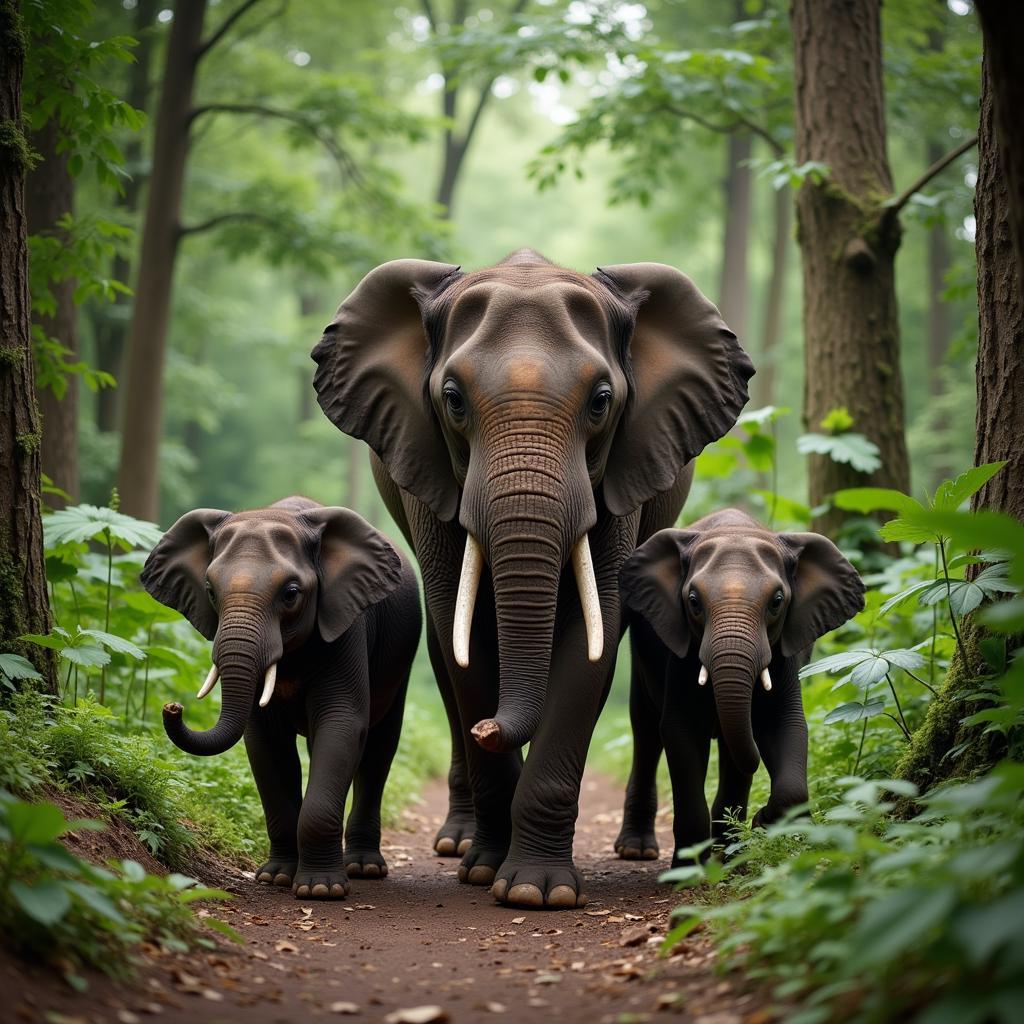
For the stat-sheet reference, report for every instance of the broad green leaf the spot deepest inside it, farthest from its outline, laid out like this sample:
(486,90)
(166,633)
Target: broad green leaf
(951,494)
(89,522)
(851,449)
(855,711)
(869,671)
(44,902)
(836,662)
(870,499)
(35,823)
(55,640)
(97,901)
(114,643)
(898,923)
(86,656)
(15,667)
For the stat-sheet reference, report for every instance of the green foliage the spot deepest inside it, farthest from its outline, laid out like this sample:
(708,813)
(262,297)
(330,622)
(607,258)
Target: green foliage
(895,918)
(56,906)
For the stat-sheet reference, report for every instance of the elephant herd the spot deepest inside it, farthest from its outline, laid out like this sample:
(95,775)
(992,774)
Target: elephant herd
(532,432)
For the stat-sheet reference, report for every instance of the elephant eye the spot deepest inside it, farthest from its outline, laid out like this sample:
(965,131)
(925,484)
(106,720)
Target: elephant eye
(453,401)
(693,598)
(290,595)
(600,401)
(211,595)
(776,602)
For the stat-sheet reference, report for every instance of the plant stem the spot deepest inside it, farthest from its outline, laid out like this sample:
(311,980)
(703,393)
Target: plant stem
(919,679)
(860,749)
(775,474)
(906,735)
(935,626)
(106,619)
(949,602)
(903,721)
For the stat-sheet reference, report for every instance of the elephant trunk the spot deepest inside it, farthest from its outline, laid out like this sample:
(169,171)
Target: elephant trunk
(244,658)
(735,651)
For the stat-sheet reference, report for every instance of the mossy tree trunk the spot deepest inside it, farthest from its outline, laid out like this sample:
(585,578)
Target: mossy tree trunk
(943,748)
(848,241)
(23,600)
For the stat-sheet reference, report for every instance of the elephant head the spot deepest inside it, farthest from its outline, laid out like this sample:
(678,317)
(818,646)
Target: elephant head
(518,397)
(260,584)
(743,592)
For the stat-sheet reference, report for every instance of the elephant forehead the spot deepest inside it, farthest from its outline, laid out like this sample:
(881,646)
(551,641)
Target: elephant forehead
(738,558)
(260,543)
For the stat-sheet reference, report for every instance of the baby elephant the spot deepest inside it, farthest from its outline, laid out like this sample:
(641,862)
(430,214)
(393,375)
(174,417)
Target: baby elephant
(722,612)
(315,619)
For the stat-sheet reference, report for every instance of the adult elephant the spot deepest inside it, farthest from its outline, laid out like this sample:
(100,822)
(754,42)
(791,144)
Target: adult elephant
(530,425)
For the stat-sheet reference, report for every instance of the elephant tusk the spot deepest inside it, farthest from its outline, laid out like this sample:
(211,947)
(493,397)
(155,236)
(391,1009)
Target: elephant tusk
(268,685)
(703,677)
(211,682)
(586,583)
(469,583)
(766,680)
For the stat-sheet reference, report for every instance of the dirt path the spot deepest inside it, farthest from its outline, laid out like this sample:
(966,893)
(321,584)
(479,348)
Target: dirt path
(420,939)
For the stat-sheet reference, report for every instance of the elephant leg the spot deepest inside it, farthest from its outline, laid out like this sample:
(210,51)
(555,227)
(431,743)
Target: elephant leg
(539,869)
(686,732)
(732,796)
(455,836)
(363,858)
(780,731)
(637,838)
(274,760)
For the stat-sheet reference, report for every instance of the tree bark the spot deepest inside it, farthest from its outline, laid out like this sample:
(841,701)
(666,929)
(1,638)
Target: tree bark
(848,242)
(732,288)
(1000,367)
(48,197)
(23,600)
(138,477)
(112,319)
(771,330)
(1002,26)
(309,303)
(940,325)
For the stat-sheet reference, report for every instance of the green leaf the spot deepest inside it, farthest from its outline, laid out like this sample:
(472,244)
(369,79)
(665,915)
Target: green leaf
(951,494)
(869,671)
(86,656)
(15,667)
(97,901)
(855,711)
(898,922)
(851,449)
(114,643)
(89,522)
(870,499)
(55,640)
(34,823)
(837,421)
(44,902)
(224,928)
(836,662)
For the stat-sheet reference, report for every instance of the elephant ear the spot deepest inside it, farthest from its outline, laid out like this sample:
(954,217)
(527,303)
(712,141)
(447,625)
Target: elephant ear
(175,572)
(356,564)
(827,591)
(651,583)
(369,380)
(690,382)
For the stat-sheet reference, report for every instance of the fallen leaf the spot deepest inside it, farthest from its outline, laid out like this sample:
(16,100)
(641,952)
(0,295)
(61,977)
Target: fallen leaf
(127,1017)
(633,936)
(518,920)
(284,946)
(495,1007)
(417,1015)
(548,979)
(213,995)
(344,1008)
(597,913)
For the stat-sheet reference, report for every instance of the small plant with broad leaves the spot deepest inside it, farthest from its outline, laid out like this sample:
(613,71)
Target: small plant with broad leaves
(840,443)
(56,906)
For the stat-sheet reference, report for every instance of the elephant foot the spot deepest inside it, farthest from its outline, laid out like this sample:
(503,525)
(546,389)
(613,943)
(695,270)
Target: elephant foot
(520,884)
(278,871)
(320,885)
(637,843)
(480,865)
(455,836)
(365,864)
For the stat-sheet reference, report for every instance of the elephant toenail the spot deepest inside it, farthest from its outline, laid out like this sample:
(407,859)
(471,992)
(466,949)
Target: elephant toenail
(582,900)
(354,870)
(338,891)
(282,879)
(445,847)
(650,853)
(480,874)
(524,894)
(630,853)
(499,888)
(464,845)
(463,874)
(264,876)
(302,892)
(371,871)
(320,890)
(562,896)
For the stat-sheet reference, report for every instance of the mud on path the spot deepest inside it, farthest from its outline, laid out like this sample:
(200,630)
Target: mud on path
(419,939)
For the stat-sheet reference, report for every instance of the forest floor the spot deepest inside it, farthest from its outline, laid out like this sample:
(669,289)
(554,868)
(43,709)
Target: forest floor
(418,940)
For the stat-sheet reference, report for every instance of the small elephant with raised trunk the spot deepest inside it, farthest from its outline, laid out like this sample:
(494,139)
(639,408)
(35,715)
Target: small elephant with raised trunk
(315,619)
(721,614)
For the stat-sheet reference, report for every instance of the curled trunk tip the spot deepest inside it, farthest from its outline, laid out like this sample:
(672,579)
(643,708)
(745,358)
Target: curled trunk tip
(488,735)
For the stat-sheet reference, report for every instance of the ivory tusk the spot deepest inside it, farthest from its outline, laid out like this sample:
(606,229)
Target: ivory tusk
(469,583)
(211,682)
(586,583)
(268,685)
(703,677)
(766,680)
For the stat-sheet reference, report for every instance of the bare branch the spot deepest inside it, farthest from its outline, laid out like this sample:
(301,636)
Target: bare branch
(225,26)
(225,218)
(727,127)
(894,205)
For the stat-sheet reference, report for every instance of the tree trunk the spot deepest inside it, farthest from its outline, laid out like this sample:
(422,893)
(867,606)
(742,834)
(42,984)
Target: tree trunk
(1002,26)
(138,477)
(48,197)
(848,242)
(771,331)
(940,327)
(309,303)
(732,288)
(112,320)
(23,601)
